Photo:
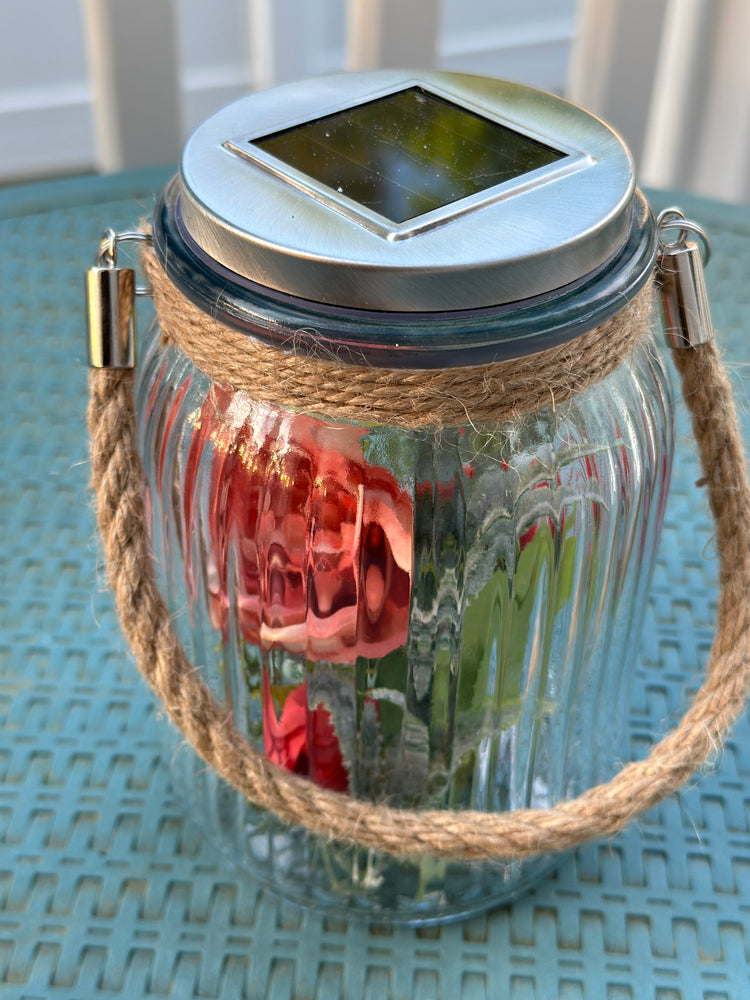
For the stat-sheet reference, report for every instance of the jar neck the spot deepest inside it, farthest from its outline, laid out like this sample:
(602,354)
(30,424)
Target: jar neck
(381,339)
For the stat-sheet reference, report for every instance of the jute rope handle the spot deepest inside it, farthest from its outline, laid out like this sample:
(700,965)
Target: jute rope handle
(117,478)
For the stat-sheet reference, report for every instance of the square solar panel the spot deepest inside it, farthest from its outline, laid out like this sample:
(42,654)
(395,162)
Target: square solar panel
(408,153)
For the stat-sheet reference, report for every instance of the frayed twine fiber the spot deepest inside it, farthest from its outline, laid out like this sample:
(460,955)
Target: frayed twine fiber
(117,478)
(478,395)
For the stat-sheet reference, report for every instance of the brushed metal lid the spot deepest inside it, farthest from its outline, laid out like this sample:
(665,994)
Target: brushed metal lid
(488,236)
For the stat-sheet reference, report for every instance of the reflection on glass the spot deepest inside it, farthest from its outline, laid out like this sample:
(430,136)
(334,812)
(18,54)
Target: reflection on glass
(407,154)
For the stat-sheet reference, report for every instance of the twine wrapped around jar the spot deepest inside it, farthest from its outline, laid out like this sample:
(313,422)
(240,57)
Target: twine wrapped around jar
(411,398)
(478,394)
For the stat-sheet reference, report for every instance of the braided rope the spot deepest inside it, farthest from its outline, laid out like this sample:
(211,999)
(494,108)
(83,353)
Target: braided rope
(117,478)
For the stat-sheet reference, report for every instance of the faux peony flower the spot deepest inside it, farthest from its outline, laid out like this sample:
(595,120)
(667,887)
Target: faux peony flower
(319,541)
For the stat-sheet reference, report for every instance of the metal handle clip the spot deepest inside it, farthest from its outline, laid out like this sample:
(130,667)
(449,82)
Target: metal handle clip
(684,297)
(110,304)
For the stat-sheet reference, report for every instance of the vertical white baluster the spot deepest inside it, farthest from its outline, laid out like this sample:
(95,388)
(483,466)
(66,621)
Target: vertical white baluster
(132,55)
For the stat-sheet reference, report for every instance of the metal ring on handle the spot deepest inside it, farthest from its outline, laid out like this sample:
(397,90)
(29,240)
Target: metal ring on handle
(107,254)
(674,218)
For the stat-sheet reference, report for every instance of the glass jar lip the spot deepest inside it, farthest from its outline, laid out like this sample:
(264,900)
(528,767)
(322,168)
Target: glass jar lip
(390,339)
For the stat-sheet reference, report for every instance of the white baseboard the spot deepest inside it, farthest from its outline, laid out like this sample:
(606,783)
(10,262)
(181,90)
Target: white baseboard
(45,131)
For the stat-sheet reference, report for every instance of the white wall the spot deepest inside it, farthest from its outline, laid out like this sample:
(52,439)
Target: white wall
(524,40)
(45,95)
(45,99)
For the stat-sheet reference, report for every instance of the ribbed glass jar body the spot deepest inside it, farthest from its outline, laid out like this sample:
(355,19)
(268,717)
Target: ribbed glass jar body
(437,618)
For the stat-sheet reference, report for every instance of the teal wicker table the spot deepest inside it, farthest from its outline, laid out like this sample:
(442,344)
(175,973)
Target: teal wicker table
(106,888)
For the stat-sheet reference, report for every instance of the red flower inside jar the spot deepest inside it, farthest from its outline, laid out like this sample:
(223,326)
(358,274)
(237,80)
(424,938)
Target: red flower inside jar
(319,541)
(302,738)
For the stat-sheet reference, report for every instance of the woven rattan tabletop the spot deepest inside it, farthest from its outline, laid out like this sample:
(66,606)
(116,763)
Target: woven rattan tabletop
(106,888)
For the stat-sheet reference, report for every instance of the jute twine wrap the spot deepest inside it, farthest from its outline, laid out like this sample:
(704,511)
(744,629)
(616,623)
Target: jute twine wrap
(478,395)
(118,480)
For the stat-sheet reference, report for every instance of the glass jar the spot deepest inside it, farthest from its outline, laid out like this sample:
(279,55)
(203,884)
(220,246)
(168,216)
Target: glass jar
(437,617)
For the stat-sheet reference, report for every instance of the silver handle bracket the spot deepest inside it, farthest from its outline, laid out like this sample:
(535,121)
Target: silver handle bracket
(110,304)
(682,283)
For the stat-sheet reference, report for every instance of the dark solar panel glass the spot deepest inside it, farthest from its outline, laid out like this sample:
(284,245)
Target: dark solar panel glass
(408,153)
